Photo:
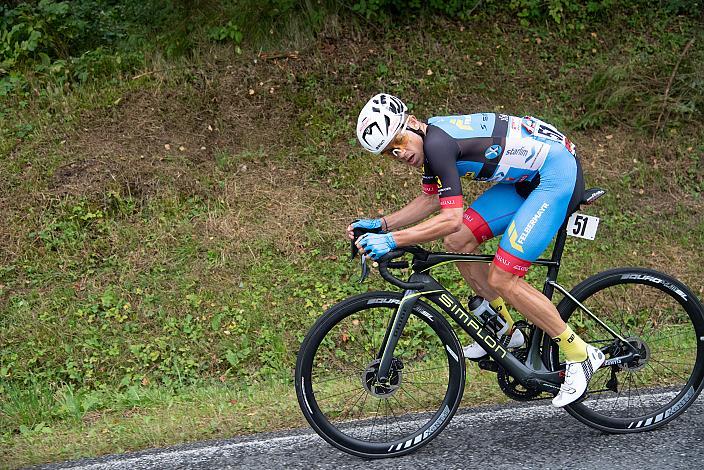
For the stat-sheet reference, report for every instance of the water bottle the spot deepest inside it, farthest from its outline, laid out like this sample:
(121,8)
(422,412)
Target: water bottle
(488,317)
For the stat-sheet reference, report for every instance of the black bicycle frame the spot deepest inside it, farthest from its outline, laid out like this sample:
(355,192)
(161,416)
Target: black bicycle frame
(533,373)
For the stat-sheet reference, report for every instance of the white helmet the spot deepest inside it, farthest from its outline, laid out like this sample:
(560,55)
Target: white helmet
(381,119)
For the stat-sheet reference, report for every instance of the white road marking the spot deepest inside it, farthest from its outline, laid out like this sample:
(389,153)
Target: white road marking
(468,418)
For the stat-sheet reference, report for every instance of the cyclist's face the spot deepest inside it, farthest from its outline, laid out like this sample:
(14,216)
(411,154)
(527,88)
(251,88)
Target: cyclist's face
(407,147)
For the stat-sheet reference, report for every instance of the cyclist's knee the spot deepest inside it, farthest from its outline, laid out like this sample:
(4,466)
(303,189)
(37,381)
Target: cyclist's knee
(461,242)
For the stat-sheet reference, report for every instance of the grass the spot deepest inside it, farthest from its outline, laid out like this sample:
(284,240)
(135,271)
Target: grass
(186,228)
(141,417)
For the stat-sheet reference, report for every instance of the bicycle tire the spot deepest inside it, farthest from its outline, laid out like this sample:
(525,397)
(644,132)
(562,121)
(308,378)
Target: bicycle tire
(669,377)
(342,345)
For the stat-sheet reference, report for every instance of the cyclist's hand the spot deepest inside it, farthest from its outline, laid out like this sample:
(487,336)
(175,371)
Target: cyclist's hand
(367,225)
(376,245)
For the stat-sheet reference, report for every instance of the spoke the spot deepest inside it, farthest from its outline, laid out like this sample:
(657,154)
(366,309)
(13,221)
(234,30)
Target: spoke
(658,373)
(336,394)
(425,383)
(348,372)
(614,302)
(651,399)
(597,379)
(628,406)
(347,412)
(386,423)
(371,431)
(391,408)
(681,333)
(635,315)
(640,397)
(423,370)
(400,404)
(420,388)
(618,396)
(403,389)
(600,390)
(689,364)
(675,351)
(623,319)
(318,382)
(364,402)
(671,370)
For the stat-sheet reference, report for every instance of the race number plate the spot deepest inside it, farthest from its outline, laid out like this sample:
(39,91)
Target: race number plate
(582,226)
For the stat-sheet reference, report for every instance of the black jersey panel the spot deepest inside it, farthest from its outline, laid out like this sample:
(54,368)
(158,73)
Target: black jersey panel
(441,154)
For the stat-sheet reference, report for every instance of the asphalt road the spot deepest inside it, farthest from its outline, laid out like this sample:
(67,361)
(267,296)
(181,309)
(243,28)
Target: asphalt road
(516,436)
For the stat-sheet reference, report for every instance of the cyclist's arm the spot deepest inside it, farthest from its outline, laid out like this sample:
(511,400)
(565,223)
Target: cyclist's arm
(448,221)
(413,212)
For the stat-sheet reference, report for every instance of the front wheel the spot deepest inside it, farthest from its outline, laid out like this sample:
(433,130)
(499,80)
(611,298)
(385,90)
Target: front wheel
(336,377)
(660,318)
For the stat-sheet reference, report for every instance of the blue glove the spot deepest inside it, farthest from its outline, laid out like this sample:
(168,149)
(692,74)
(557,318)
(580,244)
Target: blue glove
(367,224)
(377,245)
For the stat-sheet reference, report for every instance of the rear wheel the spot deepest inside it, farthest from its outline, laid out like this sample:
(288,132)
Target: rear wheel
(336,376)
(662,319)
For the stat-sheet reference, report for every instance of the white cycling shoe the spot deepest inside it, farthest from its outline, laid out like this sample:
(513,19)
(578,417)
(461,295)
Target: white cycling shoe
(577,375)
(474,351)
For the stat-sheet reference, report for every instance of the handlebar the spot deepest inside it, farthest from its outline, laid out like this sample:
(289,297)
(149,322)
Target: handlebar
(385,264)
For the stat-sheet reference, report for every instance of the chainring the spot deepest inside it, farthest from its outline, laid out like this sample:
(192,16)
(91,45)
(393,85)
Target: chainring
(508,384)
(511,387)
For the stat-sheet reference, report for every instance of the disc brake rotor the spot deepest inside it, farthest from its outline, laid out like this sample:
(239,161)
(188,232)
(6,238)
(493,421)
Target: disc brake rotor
(382,390)
(643,350)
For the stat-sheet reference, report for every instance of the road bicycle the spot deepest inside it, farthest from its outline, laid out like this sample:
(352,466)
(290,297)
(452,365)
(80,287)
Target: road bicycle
(381,374)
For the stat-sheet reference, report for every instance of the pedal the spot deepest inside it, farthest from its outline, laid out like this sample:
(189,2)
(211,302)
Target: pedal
(488,364)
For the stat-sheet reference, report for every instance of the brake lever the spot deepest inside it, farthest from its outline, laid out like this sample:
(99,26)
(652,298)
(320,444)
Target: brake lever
(356,233)
(353,247)
(365,268)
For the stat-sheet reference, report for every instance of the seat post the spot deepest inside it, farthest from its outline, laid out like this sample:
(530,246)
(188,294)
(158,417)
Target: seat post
(548,289)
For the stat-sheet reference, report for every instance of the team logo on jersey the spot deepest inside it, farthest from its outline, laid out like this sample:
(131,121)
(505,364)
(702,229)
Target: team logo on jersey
(464,124)
(493,152)
(519,152)
(516,240)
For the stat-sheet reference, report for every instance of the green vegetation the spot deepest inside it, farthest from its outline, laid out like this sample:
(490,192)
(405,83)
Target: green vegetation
(176,182)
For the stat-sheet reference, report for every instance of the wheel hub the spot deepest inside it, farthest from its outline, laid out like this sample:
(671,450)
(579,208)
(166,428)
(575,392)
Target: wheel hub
(643,350)
(371,383)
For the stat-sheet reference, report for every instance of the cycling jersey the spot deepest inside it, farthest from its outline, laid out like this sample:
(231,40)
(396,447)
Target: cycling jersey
(540,179)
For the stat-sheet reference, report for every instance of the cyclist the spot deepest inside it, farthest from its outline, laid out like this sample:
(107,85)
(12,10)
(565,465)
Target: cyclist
(539,182)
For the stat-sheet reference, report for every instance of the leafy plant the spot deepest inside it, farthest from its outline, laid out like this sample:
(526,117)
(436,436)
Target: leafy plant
(229,32)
